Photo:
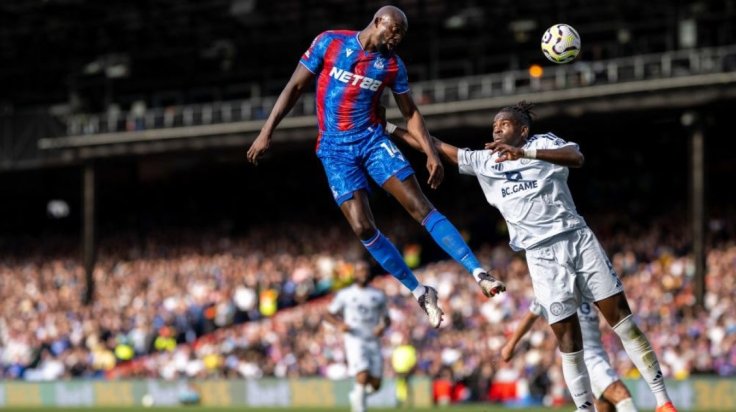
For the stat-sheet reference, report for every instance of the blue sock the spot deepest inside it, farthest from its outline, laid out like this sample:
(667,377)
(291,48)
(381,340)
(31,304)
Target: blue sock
(390,259)
(450,240)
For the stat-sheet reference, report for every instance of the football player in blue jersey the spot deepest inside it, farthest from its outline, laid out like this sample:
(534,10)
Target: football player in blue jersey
(351,70)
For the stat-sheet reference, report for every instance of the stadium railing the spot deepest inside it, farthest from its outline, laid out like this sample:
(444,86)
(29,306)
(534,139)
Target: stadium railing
(683,68)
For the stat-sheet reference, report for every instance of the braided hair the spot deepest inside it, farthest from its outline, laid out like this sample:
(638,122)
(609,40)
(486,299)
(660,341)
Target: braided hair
(522,111)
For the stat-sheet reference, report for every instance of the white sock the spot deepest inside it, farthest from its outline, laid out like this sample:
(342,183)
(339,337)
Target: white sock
(369,389)
(418,291)
(626,405)
(642,355)
(477,272)
(576,378)
(360,395)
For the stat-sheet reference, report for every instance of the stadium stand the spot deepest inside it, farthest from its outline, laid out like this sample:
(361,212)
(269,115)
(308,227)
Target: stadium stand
(208,268)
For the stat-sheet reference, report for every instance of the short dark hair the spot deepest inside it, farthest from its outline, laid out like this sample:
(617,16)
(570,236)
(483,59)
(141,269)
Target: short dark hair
(522,111)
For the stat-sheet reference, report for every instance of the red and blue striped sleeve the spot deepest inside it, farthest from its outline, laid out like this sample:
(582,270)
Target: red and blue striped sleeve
(401,81)
(314,57)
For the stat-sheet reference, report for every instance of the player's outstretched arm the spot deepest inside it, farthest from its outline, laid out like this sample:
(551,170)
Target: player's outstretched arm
(415,124)
(568,156)
(447,151)
(507,352)
(300,80)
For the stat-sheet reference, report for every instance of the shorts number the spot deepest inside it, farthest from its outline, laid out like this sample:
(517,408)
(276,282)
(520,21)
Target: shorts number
(392,150)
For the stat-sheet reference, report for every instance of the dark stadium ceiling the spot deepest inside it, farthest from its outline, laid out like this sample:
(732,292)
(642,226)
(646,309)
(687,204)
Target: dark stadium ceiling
(47,47)
(53,51)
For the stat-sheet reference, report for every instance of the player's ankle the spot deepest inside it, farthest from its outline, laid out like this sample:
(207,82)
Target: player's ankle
(419,291)
(477,272)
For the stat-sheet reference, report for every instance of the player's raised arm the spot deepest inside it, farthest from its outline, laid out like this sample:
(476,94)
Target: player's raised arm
(569,155)
(288,97)
(415,125)
(507,352)
(447,151)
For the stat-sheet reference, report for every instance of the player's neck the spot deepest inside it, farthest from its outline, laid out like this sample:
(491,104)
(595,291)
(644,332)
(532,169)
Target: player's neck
(364,38)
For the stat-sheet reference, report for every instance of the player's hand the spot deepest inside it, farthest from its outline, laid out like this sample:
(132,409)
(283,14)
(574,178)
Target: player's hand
(259,146)
(436,171)
(505,151)
(378,331)
(507,352)
(344,328)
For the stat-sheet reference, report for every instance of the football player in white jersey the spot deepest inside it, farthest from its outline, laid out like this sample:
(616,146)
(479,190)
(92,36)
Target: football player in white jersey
(360,312)
(609,392)
(525,177)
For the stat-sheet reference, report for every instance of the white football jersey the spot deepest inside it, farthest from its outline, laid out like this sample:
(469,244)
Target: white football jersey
(532,195)
(361,308)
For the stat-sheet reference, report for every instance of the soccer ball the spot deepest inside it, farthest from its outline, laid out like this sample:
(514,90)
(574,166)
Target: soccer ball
(147,401)
(561,43)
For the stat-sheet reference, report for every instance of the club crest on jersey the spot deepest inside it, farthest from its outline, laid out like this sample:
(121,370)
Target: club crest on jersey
(378,64)
(556,308)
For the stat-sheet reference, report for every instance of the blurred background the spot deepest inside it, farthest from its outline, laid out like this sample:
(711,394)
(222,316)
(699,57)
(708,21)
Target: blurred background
(143,261)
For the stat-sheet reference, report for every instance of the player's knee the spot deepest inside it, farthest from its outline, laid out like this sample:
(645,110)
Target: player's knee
(568,345)
(376,384)
(618,392)
(603,405)
(364,229)
(614,308)
(419,209)
(568,338)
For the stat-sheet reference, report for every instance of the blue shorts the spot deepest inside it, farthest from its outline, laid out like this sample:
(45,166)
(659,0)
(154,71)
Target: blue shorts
(347,157)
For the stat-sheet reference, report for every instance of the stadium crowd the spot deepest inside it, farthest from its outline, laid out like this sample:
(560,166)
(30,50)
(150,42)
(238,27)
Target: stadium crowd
(206,306)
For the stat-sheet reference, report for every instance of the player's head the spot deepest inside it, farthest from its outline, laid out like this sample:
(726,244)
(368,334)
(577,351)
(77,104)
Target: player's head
(511,124)
(389,26)
(362,274)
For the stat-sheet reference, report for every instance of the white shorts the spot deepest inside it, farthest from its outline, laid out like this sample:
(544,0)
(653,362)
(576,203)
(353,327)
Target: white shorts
(569,269)
(364,356)
(600,372)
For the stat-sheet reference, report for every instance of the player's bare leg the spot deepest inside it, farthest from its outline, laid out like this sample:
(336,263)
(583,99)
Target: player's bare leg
(570,340)
(604,405)
(411,197)
(617,312)
(357,211)
(616,397)
(374,385)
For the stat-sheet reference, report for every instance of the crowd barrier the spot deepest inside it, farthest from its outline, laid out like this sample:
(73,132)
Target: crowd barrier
(694,394)
(304,392)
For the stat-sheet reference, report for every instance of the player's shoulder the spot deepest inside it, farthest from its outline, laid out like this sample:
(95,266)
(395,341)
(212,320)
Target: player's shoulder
(542,136)
(337,34)
(344,292)
(548,138)
(397,58)
(480,156)
(376,292)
